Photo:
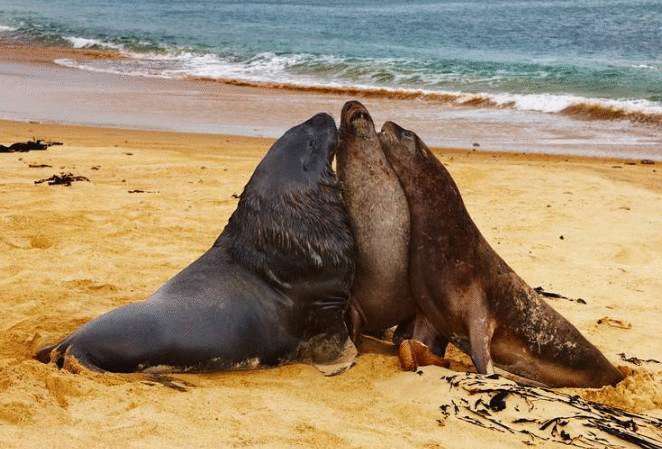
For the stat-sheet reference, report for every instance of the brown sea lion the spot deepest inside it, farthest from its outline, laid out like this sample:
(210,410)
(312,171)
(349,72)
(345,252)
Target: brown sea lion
(379,218)
(470,294)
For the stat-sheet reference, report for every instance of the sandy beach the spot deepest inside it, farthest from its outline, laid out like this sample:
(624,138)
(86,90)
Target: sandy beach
(586,228)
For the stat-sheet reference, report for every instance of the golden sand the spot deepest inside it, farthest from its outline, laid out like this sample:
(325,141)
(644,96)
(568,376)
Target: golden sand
(68,254)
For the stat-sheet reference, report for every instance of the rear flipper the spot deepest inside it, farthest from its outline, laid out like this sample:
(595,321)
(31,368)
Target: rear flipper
(413,353)
(44,354)
(519,379)
(66,357)
(419,328)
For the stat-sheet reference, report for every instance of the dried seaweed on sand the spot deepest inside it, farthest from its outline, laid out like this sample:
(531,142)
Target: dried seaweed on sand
(546,294)
(30,145)
(504,406)
(636,360)
(64,179)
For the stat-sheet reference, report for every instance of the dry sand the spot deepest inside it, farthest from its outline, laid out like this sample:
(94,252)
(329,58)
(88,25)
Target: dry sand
(68,254)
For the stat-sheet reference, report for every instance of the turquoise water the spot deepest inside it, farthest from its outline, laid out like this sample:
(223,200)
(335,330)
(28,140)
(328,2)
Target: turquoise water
(541,55)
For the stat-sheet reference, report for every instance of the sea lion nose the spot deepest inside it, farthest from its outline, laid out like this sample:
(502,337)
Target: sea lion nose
(391,131)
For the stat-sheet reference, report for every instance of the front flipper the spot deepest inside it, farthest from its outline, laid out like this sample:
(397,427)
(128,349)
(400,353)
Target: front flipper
(481,330)
(356,320)
(342,363)
(330,347)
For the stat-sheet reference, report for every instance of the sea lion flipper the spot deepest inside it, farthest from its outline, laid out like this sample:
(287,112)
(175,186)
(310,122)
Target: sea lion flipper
(480,351)
(342,363)
(481,330)
(44,354)
(356,320)
(520,379)
(68,358)
(413,353)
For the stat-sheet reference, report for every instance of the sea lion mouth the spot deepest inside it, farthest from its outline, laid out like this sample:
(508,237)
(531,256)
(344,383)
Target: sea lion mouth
(356,120)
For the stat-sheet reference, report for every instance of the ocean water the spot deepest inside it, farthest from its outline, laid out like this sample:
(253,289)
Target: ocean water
(597,58)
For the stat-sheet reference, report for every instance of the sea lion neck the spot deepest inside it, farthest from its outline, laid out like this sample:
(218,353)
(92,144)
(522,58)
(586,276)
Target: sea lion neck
(278,236)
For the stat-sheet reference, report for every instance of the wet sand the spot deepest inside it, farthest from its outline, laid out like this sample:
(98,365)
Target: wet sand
(34,88)
(68,254)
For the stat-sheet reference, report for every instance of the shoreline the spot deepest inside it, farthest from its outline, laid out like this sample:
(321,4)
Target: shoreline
(222,107)
(22,130)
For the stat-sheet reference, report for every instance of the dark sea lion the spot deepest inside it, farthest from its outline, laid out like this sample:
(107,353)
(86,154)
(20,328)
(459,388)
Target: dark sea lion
(379,218)
(470,294)
(272,289)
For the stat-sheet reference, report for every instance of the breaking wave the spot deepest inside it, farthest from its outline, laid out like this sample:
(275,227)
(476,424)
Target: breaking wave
(328,74)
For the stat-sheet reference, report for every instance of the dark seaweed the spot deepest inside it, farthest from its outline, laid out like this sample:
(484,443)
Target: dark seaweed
(636,360)
(30,145)
(591,416)
(546,294)
(64,179)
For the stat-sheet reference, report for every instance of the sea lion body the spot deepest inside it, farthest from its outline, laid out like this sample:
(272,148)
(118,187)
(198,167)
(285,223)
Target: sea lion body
(272,289)
(470,295)
(379,218)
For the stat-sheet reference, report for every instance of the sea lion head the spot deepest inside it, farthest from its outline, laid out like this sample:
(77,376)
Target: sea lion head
(355,120)
(291,222)
(402,147)
(300,159)
(412,160)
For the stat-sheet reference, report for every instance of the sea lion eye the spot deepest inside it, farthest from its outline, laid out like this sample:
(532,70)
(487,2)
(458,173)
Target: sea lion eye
(407,134)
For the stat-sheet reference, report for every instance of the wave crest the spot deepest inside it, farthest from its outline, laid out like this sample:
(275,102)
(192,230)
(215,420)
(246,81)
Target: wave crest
(596,111)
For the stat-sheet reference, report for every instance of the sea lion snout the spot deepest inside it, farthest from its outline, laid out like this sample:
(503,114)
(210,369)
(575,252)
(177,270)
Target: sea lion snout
(325,135)
(355,119)
(390,132)
(398,143)
(397,133)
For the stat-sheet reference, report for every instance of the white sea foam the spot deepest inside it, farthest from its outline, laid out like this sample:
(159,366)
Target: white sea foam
(645,66)
(273,68)
(83,42)
(557,103)
(6,29)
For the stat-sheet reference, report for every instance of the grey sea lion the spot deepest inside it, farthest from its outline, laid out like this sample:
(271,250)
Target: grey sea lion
(379,219)
(470,295)
(272,289)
